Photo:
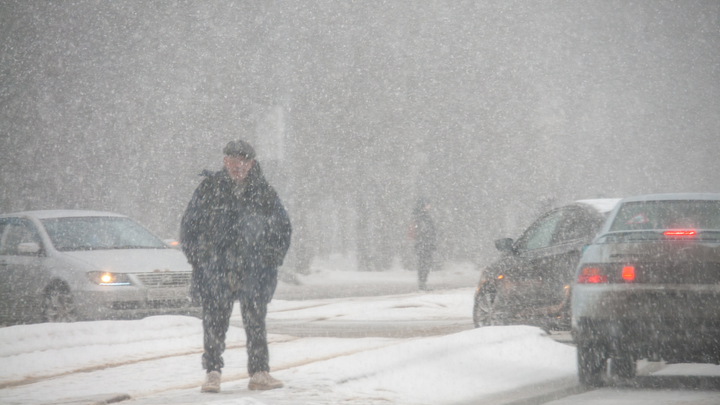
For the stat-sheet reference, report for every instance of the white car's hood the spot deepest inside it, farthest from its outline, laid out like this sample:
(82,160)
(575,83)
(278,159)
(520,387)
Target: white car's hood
(133,260)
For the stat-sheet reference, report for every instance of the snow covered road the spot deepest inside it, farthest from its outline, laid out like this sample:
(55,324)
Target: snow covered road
(156,360)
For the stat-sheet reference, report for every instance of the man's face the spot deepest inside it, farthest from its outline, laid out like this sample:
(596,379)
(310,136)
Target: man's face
(238,167)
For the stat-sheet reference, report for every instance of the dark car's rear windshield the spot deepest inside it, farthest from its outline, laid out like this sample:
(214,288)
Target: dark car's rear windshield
(646,215)
(97,233)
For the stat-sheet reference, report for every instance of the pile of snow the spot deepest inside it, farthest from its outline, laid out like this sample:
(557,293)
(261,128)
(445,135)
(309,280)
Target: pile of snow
(439,370)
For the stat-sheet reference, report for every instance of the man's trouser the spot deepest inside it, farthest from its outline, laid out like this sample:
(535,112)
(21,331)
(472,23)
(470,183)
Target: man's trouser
(216,320)
(424,264)
(218,302)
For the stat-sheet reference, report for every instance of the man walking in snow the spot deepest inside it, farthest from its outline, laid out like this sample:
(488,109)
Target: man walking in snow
(422,230)
(235,233)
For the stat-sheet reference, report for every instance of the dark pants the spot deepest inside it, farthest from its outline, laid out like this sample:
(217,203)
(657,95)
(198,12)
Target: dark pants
(216,320)
(219,295)
(424,265)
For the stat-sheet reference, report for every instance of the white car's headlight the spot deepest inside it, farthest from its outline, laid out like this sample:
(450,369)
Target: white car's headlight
(107,278)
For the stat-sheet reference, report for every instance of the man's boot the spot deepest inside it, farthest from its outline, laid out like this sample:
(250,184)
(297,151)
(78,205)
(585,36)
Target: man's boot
(263,381)
(212,382)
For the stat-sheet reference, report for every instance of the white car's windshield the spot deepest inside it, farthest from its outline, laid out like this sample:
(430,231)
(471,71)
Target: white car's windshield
(649,215)
(98,233)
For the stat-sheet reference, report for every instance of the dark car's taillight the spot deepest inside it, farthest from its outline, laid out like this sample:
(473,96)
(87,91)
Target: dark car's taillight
(592,275)
(628,273)
(602,274)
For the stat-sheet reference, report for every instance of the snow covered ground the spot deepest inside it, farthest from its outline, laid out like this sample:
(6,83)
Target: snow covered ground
(337,276)
(157,360)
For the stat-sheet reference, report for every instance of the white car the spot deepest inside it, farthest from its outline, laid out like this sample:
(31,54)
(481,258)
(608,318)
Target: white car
(648,287)
(62,266)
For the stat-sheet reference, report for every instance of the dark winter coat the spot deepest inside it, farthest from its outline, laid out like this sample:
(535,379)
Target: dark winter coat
(210,233)
(424,231)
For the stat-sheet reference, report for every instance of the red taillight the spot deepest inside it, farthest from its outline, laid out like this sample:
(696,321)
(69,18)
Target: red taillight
(680,232)
(592,275)
(628,273)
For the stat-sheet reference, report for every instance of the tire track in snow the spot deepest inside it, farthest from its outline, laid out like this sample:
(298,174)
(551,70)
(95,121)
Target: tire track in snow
(244,375)
(33,380)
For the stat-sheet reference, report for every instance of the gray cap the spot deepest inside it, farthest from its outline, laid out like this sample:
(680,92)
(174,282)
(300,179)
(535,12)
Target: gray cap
(239,148)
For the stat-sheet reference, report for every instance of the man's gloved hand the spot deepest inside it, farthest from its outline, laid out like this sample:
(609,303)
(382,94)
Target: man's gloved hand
(271,257)
(192,258)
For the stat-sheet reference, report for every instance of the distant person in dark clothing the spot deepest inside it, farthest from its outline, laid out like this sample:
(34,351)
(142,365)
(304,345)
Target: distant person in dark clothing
(422,231)
(235,233)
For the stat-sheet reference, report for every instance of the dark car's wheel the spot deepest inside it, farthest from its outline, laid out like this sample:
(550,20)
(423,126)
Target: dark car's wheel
(592,364)
(623,366)
(58,304)
(485,309)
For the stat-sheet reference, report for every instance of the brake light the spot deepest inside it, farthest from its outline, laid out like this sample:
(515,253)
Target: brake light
(680,232)
(628,273)
(592,275)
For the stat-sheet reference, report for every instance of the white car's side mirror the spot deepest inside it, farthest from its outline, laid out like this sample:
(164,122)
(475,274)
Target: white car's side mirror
(28,248)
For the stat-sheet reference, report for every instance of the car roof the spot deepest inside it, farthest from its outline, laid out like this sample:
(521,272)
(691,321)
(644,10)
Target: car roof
(601,205)
(674,196)
(46,214)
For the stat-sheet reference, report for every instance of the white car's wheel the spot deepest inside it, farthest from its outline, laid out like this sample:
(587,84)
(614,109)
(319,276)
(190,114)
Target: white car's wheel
(58,304)
(591,363)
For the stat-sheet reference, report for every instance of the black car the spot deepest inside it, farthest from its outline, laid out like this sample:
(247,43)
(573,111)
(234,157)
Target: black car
(530,283)
(649,287)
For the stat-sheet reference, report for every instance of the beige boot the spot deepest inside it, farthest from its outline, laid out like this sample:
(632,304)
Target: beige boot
(212,382)
(263,381)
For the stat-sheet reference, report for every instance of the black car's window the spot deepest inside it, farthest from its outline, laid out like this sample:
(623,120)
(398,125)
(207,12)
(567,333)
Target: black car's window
(576,224)
(3,227)
(16,232)
(3,224)
(97,233)
(647,215)
(540,234)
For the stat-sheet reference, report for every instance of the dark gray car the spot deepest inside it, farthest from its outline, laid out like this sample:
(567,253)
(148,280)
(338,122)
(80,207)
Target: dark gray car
(530,283)
(649,287)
